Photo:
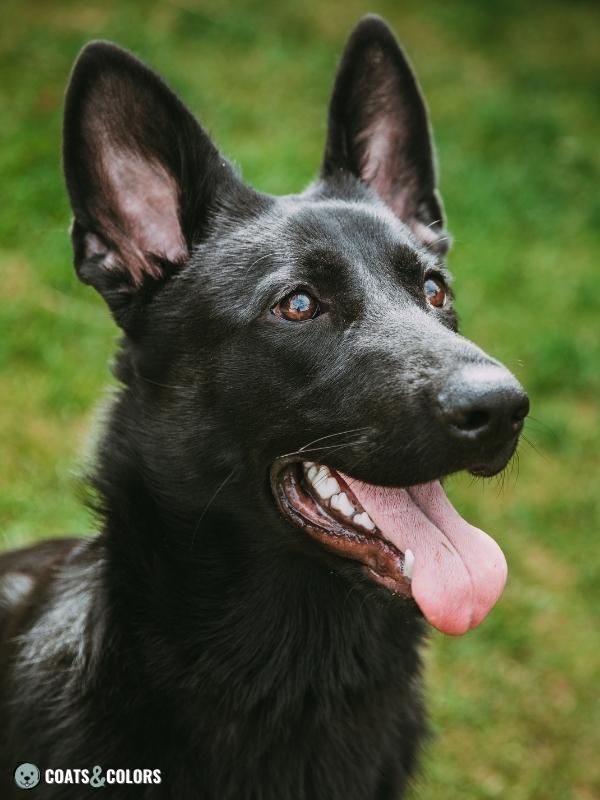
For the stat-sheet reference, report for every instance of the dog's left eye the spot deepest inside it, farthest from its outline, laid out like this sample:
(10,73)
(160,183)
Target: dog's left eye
(297,306)
(435,292)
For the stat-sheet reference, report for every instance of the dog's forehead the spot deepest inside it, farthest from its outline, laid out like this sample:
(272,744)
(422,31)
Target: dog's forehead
(303,233)
(353,228)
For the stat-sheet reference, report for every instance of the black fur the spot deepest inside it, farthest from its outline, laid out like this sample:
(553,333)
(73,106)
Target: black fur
(200,632)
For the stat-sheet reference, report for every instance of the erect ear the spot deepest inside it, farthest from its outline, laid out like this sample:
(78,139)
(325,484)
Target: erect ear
(379,130)
(141,174)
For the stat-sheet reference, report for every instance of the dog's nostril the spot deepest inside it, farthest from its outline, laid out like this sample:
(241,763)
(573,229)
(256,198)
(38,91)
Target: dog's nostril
(472,420)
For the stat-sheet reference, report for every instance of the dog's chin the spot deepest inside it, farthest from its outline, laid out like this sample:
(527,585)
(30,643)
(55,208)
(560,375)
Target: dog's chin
(496,464)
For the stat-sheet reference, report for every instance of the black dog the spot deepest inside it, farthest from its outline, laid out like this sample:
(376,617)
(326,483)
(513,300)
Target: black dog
(248,621)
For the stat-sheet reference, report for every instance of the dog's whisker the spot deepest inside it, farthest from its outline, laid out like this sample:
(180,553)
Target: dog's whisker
(173,386)
(318,448)
(421,442)
(500,481)
(261,258)
(210,502)
(540,453)
(330,435)
(535,421)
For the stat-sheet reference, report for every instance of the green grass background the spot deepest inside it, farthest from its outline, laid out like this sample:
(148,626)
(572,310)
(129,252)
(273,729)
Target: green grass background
(514,90)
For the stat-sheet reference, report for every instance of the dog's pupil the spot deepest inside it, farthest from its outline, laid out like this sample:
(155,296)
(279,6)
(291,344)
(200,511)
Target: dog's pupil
(300,303)
(299,306)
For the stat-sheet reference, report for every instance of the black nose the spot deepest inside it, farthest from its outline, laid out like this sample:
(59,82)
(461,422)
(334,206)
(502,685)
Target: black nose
(481,402)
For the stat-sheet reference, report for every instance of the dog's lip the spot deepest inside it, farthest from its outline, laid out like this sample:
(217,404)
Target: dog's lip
(383,562)
(457,572)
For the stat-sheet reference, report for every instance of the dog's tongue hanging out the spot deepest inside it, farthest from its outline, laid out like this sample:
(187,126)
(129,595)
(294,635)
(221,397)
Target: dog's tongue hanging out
(459,571)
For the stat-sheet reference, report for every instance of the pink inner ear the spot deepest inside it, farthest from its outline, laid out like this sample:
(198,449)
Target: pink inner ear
(146,207)
(382,142)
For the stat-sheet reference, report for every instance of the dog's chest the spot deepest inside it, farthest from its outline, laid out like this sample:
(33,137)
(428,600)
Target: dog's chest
(354,746)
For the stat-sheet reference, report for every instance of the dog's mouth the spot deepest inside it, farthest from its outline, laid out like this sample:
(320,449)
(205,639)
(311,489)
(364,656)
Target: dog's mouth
(410,540)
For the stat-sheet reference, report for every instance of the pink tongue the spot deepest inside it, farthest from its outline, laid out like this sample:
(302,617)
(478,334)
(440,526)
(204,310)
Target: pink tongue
(459,571)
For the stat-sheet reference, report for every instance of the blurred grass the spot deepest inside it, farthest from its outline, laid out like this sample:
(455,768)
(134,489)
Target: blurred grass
(514,90)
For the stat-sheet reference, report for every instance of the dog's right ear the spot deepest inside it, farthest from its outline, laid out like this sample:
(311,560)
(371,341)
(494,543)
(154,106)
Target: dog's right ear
(141,174)
(379,131)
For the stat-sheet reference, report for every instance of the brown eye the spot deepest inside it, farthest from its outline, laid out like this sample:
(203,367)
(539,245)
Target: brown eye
(297,307)
(435,292)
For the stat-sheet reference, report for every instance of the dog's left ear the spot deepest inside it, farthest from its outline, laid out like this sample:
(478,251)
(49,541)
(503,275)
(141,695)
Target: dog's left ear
(379,131)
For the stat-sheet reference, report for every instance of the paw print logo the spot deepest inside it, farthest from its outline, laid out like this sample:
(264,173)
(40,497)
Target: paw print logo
(27,776)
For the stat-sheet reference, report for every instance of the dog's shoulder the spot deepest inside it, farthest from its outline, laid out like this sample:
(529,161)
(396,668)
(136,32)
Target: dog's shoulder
(21,571)
(31,577)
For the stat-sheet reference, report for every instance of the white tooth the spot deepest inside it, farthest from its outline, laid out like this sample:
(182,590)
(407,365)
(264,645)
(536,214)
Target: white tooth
(364,520)
(409,564)
(321,475)
(341,503)
(327,488)
(307,465)
(311,472)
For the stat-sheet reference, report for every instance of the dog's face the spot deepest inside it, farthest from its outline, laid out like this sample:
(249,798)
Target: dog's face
(303,349)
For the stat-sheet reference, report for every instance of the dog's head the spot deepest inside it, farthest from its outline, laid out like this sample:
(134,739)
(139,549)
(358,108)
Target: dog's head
(300,354)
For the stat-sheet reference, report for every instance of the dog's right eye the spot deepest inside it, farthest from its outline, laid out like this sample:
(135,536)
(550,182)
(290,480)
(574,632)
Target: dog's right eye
(435,292)
(297,306)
